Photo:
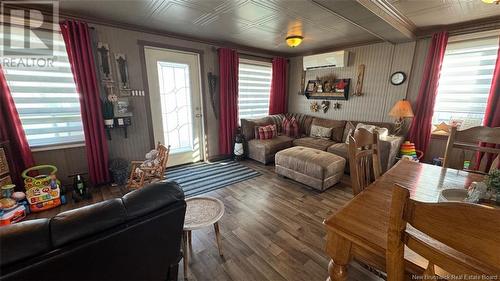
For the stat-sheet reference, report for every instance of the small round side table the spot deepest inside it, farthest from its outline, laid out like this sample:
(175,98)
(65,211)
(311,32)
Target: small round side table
(201,211)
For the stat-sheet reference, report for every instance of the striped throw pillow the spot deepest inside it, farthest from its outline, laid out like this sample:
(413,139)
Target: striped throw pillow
(291,127)
(267,132)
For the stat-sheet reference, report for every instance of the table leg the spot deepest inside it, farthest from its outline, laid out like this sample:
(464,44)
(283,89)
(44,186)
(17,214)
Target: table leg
(337,268)
(217,236)
(185,253)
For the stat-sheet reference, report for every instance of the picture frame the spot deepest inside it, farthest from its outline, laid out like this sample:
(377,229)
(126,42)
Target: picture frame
(311,86)
(121,107)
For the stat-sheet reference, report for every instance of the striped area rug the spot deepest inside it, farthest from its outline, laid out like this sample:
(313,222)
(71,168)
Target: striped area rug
(199,178)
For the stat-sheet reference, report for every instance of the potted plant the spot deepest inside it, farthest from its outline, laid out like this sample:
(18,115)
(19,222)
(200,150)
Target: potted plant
(492,181)
(107,113)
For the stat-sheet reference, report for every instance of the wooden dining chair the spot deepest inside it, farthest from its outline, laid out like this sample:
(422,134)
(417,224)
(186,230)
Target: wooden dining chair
(364,159)
(141,175)
(469,139)
(460,238)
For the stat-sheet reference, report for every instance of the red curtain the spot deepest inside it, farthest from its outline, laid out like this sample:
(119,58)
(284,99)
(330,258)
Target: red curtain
(228,101)
(492,113)
(420,131)
(12,130)
(277,100)
(78,45)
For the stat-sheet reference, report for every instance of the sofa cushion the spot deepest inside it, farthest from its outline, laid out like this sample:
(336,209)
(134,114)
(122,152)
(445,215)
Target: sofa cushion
(153,195)
(317,143)
(340,149)
(264,150)
(23,240)
(304,122)
(78,223)
(336,125)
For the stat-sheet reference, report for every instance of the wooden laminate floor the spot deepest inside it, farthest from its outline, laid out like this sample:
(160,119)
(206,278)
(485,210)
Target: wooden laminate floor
(272,230)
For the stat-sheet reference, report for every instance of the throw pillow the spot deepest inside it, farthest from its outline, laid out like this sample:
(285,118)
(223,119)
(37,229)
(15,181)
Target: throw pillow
(291,127)
(321,132)
(267,132)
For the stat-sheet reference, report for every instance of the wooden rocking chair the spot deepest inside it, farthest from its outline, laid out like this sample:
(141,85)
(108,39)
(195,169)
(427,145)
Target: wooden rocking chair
(140,175)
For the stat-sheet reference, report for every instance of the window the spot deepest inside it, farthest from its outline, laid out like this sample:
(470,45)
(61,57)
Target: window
(45,96)
(254,84)
(465,82)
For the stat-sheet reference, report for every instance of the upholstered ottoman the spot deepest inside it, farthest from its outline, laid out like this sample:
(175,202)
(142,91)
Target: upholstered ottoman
(315,168)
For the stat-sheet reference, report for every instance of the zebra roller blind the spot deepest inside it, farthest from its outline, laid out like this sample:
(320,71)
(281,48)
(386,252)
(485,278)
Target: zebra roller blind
(44,92)
(254,87)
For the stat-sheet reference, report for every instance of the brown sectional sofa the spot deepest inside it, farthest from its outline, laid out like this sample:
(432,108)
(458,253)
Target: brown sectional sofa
(264,150)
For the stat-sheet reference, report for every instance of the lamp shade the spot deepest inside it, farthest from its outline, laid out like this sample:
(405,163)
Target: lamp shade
(401,109)
(294,40)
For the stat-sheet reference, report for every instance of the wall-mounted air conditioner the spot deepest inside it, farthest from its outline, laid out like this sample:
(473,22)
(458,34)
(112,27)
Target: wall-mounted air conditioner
(333,59)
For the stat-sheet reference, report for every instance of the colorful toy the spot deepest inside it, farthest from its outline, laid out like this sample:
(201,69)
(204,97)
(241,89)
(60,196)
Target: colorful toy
(42,191)
(7,190)
(11,211)
(408,148)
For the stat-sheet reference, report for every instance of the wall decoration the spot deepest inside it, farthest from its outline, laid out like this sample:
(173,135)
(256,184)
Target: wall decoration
(443,127)
(104,61)
(359,80)
(314,106)
(339,89)
(212,86)
(325,105)
(337,105)
(302,83)
(398,78)
(122,72)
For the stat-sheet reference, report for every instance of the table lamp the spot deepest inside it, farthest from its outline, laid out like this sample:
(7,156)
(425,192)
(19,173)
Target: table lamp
(401,110)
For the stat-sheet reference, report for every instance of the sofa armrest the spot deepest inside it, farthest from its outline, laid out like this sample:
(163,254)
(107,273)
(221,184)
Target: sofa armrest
(389,149)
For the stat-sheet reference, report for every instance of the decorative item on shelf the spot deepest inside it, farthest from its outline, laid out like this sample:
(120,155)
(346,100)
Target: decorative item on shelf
(443,127)
(359,81)
(239,150)
(339,89)
(398,78)
(314,106)
(121,108)
(212,86)
(294,40)
(337,106)
(107,112)
(325,105)
(104,61)
(43,191)
(401,110)
(80,189)
(122,71)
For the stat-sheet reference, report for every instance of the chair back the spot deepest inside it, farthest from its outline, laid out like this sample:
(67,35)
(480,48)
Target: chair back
(163,152)
(470,139)
(460,238)
(364,159)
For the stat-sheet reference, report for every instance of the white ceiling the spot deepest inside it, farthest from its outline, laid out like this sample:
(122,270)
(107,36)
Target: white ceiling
(264,24)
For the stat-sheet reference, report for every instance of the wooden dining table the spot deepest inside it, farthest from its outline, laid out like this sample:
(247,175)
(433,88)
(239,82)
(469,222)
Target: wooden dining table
(359,230)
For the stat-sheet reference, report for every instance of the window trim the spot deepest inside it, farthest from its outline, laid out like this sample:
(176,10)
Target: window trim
(57,146)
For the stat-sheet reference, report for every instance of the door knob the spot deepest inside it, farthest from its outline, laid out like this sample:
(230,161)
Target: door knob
(197,115)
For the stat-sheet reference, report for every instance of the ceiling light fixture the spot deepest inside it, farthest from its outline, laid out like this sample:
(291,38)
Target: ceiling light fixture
(294,40)
(491,1)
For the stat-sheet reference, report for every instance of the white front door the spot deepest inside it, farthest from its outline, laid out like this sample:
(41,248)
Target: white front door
(175,100)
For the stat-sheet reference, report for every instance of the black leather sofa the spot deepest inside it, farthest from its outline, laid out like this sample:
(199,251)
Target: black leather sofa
(136,237)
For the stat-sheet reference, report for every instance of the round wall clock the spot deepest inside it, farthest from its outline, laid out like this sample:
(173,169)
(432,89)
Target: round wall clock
(398,78)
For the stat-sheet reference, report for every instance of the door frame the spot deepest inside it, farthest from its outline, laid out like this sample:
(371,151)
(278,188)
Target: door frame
(142,55)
